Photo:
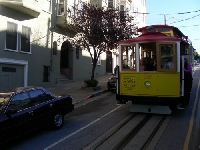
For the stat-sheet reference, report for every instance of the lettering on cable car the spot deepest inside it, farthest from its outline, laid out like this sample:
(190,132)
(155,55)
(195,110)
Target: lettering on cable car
(147,76)
(129,83)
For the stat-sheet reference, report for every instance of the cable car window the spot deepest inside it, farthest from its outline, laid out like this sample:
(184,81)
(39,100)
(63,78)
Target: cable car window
(163,29)
(128,58)
(166,57)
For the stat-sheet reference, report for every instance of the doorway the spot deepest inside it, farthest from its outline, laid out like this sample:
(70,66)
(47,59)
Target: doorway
(109,62)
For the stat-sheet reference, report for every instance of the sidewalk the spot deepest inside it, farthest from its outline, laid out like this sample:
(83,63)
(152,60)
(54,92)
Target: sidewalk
(78,91)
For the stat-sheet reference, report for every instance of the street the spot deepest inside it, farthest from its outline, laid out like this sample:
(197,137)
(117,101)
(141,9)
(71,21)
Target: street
(92,121)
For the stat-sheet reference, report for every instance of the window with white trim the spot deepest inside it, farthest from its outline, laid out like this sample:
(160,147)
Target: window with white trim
(47,6)
(25,39)
(11,36)
(60,8)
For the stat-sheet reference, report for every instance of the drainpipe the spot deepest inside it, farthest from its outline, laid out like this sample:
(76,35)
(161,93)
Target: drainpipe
(51,58)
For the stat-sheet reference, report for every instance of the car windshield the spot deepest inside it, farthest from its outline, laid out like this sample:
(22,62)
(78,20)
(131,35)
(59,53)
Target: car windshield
(4,97)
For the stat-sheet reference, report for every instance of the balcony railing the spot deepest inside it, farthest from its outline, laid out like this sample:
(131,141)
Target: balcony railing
(29,7)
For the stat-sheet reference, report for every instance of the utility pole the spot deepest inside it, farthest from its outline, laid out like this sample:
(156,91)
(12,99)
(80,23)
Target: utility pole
(165,20)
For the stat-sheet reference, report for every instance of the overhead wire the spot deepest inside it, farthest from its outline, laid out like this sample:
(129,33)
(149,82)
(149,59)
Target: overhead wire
(180,13)
(186,19)
(179,18)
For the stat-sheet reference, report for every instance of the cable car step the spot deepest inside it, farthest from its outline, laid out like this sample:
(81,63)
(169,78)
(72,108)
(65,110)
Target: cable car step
(154,109)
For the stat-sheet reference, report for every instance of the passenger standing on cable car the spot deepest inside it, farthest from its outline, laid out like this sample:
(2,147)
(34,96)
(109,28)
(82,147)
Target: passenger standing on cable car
(187,80)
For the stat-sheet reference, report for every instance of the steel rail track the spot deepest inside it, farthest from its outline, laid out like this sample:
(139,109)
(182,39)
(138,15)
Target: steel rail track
(135,131)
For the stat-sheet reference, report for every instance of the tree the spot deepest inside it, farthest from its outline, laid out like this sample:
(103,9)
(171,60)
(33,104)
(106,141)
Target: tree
(196,55)
(98,29)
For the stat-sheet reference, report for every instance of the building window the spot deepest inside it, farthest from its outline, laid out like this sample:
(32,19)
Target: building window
(60,7)
(11,36)
(122,8)
(8,69)
(117,4)
(46,74)
(122,13)
(55,48)
(25,39)
(110,4)
(47,5)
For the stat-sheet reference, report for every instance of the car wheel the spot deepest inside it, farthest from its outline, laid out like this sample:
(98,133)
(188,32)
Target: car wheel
(1,146)
(58,120)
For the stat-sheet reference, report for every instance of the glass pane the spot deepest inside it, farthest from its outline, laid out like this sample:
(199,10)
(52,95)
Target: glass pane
(11,36)
(163,29)
(36,93)
(128,59)
(166,56)
(20,101)
(25,39)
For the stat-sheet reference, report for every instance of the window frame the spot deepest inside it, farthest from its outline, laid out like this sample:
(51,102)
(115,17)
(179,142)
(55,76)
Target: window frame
(22,107)
(17,36)
(58,7)
(159,57)
(128,58)
(110,2)
(39,96)
(28,39)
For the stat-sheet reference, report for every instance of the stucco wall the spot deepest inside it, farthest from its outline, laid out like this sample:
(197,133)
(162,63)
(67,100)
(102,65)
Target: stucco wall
(82,67)
(40,44)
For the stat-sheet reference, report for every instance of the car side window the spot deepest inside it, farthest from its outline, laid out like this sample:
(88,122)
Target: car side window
(39,96)
(20,101)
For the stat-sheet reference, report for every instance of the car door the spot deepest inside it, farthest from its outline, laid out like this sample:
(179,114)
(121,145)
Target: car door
(43,106)
(15,119)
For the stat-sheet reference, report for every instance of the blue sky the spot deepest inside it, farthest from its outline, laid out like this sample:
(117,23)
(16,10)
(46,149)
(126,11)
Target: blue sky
(188,23)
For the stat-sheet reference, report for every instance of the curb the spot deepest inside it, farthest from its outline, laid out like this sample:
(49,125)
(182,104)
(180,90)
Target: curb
(96,94)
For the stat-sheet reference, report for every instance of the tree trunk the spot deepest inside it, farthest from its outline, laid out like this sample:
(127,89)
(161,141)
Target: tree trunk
(93,70)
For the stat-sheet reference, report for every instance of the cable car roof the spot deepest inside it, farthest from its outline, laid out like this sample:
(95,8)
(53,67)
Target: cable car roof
(150,37)
(157,25)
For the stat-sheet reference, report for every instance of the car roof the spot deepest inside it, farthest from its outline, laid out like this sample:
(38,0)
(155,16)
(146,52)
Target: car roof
(20,89)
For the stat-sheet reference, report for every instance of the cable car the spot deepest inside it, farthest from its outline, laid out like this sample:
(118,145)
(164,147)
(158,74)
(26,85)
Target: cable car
(150,70)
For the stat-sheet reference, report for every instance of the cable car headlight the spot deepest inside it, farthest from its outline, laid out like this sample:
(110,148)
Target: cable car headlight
(147,84)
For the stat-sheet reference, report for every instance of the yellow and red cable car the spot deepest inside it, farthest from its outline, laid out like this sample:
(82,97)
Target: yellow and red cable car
(150,73)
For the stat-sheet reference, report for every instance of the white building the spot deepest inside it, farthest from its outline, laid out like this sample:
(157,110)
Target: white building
(34,48)
(136,9)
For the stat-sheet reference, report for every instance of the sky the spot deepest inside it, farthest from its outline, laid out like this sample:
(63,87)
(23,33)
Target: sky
(182,14)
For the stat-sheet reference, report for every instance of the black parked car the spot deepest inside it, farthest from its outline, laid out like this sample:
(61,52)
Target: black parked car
(111,84)
(25,109)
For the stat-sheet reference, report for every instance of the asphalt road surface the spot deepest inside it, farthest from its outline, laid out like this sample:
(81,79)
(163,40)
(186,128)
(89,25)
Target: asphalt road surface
(90,121)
